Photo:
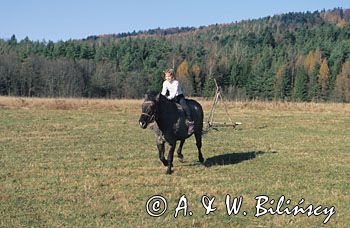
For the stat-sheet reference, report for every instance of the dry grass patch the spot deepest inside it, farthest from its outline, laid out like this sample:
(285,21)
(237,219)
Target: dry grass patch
(64,103)
(113,104)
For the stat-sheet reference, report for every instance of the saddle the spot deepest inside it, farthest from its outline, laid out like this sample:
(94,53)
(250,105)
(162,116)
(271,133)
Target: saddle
(180,109)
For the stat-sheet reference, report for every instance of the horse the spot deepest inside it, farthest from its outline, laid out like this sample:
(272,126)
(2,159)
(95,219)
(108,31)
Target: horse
(170,125)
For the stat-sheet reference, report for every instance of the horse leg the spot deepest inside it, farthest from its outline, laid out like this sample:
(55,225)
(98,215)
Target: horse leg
(198,136)
(161,150)
(171,156)
(179,151)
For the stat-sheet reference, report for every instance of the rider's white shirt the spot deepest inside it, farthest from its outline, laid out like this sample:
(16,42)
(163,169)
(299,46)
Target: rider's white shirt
(173,87)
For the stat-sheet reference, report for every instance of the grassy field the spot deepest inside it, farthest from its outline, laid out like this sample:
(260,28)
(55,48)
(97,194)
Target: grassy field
(87,163)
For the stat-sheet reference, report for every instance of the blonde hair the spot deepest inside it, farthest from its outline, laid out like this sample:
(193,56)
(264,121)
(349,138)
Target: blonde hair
(170,71)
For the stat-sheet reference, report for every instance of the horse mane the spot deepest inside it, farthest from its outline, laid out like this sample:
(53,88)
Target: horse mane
(156,96)
(151,95)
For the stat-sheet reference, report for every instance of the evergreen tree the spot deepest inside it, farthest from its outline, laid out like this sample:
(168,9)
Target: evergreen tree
(13,41)
(313,85)
(209,87)
(300,84)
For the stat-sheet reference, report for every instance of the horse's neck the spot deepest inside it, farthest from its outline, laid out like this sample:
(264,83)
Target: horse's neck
(165,111)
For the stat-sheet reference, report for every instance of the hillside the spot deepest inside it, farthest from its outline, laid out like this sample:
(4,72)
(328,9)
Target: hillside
(293,56)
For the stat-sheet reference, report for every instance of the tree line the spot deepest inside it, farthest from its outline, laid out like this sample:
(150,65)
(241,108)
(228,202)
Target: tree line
(291,57)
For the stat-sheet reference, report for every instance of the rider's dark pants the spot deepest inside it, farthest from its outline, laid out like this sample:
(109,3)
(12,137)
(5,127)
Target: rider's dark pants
(181,100)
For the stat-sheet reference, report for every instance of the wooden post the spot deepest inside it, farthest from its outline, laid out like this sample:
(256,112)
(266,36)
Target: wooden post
(212,110)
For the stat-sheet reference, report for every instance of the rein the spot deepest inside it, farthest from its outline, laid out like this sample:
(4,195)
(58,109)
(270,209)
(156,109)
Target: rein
(152,117)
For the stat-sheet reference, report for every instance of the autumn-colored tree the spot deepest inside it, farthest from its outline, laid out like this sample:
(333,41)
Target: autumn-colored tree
(183,75)
(342,84)
(196,71)
(182,70)
(312,65)
(332,16)
(342,23)
(323,78)
(311,60)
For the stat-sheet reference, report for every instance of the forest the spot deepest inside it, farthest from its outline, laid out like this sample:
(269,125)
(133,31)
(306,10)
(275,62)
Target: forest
(289,57)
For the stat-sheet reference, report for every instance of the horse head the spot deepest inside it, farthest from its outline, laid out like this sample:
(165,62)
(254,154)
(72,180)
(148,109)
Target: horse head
(149,109)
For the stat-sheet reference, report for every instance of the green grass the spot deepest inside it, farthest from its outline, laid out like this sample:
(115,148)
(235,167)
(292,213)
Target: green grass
(95,166)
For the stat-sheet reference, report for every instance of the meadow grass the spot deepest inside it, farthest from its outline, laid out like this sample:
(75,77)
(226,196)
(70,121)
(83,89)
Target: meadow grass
(87,163)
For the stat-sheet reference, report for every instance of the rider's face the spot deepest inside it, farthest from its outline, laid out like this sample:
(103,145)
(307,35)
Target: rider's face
(169,77)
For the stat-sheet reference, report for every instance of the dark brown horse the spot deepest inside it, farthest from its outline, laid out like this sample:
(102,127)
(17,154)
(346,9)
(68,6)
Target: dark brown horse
(170,125)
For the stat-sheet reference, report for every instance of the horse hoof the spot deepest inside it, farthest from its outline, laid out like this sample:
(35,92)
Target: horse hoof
(168,172)
(181,158)
(201,159)
(165,163)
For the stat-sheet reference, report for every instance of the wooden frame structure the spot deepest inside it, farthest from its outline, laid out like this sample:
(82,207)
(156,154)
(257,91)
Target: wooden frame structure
(217,97)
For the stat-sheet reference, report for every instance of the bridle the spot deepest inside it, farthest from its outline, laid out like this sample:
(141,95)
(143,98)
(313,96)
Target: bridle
(153,116)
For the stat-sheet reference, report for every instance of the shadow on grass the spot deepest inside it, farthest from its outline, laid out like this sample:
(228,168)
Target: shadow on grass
(233,158)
